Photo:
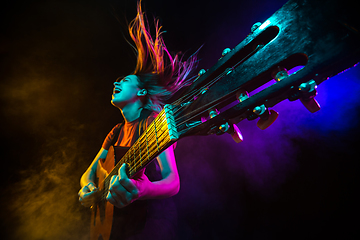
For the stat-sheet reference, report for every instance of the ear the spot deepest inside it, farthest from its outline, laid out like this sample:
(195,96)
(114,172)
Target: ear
(142,92)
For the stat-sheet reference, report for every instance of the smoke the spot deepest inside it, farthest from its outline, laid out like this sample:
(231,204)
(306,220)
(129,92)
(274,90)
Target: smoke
(47,106)
(268,159)
(47,148)
(54,114)
(46,201)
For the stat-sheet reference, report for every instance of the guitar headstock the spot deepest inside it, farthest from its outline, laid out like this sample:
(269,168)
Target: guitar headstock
(301,45)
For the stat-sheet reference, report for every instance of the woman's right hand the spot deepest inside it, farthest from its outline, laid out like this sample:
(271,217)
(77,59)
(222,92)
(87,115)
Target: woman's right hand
(87,194)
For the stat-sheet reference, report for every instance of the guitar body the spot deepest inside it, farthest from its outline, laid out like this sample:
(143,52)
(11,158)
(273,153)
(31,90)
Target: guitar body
(107,221)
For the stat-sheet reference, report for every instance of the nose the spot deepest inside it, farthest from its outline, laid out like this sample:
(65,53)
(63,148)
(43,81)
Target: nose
(116,84)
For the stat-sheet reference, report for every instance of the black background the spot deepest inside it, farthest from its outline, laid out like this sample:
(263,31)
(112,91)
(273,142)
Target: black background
(59,59)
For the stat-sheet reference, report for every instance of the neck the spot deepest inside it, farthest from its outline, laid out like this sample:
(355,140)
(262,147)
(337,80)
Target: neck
(132,111)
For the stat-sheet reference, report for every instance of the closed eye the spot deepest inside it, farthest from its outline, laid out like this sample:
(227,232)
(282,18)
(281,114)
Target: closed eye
(119,79)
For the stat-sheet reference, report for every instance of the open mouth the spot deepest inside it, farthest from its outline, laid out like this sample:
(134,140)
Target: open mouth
(117,91)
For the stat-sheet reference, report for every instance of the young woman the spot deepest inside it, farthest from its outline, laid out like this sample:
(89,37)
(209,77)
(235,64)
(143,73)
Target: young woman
(139,96)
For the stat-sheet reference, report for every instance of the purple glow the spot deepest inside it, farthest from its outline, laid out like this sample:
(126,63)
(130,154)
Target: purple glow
(272,81)
(267,158)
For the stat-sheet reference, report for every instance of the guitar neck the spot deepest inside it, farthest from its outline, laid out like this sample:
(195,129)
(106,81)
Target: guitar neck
(158,136)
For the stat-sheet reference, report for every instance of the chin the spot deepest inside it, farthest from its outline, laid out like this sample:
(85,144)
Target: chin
(116,104)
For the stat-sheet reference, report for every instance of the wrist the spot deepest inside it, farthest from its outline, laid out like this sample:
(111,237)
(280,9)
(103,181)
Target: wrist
(148,192)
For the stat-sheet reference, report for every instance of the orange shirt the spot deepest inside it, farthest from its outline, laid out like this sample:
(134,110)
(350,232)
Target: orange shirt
(127,133)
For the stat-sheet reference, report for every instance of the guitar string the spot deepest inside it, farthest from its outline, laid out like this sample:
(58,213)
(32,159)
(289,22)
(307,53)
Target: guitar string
(163,142)
(200,112)
(112,172)
(106,183)
(138,163)
(150,126)
(161,117)
(145,140)
(116,168)
(122,160)
(105,190)
(211,83)
(153,149)
(205,86)
(178,102)
(215,80)
(196,92)
(192,94)
(226,71)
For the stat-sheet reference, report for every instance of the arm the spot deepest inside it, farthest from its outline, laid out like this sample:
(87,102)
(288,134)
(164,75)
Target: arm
(123,191)
(89,174)
(170,184)
(166,187)
(87,181)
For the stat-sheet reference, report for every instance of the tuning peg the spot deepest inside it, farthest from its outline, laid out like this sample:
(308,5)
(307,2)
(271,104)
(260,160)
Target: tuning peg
(308,93)
(255,26)
(235,133)
(259,110)
(201,72)
(233,130)
(267,119)
(279,73)
(225,51)
(213,112)
(311,104)
(242,95)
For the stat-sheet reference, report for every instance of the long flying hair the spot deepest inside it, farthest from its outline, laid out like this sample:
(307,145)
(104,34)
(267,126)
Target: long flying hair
(159,72)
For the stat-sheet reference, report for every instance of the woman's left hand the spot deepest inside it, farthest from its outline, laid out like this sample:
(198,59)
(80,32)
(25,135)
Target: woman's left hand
(123,190)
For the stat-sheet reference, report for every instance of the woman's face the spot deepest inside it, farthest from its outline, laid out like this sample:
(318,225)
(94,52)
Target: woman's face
(125,91)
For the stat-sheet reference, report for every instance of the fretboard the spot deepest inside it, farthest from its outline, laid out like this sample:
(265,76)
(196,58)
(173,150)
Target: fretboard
(158,136)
